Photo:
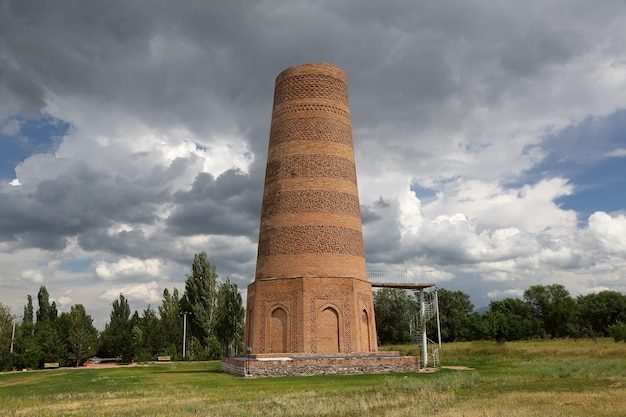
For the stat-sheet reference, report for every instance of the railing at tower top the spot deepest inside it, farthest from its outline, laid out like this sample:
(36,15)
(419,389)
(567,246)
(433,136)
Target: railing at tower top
(394,278)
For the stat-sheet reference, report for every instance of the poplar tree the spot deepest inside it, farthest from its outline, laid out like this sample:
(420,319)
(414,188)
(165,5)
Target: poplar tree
(201,297)
(229,323)
(6,330)
(116,339)
(171,322)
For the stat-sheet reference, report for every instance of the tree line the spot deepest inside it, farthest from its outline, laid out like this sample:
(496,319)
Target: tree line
(214,316)
(545,311)
(215,322)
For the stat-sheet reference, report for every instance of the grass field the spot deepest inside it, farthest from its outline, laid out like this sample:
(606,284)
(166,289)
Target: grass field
(538,378)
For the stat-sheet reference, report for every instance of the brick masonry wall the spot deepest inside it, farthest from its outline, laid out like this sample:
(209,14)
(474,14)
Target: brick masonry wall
(311,140)
(320,366)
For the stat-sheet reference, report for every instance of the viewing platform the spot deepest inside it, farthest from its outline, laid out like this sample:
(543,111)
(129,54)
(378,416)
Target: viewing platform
(404,279)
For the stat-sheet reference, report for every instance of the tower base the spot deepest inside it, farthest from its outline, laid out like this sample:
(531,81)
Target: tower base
(308,315)
(303,364)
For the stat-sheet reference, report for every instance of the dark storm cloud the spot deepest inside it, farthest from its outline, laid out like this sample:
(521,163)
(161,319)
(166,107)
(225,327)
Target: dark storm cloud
(381,231)
(226,205)
(80,200)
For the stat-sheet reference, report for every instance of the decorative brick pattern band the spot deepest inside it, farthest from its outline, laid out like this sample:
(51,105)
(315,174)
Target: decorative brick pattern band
(312,239)
(311,128)
(293,109)
(310,166)
(311,201)
(311,86)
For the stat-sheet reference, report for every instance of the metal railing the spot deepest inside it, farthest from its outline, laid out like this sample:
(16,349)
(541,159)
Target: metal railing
(406,276)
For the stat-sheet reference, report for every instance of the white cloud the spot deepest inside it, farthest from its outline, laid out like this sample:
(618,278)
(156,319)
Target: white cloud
(609,231)
(138,293)
(128,268)
(64,301)
(32,276)
(617,153)
(510,293)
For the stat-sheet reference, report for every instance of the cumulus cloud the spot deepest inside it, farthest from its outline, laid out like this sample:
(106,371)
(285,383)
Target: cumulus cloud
(32,276)
(128,268)
(609,231)
(143,293)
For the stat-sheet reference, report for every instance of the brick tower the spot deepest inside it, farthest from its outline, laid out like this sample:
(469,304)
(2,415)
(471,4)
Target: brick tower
(310,293)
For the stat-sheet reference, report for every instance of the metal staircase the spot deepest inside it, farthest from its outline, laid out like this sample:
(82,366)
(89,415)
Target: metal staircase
(429,309)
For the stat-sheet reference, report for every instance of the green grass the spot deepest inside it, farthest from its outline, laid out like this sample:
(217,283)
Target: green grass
(538,378)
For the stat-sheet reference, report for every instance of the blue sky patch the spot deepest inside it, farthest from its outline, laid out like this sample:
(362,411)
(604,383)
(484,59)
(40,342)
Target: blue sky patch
(580,153)
(21,138)
(426,195)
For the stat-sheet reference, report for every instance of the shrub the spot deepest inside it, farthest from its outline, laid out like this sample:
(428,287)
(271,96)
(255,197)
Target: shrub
(617,331)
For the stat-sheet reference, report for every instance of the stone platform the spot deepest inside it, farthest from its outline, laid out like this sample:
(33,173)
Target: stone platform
(293,364)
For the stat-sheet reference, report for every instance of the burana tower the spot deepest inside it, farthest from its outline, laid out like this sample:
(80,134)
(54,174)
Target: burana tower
(310,294)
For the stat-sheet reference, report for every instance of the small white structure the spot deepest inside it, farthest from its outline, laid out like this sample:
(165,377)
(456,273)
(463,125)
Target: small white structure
(418,282)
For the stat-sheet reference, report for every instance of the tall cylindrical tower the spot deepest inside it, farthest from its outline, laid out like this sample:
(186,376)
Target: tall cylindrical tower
(311,222)
(310,292)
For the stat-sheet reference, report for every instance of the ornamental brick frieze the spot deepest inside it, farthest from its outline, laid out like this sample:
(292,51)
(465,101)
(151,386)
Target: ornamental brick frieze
(310,166)
(311,86)
(312,239)
(311,201)
(310,110)
(311,129)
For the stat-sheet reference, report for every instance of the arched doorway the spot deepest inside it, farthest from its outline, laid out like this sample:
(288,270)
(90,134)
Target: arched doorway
(328,331)
(278,337)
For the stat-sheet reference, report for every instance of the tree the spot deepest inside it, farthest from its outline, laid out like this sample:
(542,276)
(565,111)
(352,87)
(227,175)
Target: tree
(46,312)
(116,339)
(229,321)
(147,336)
(82,335)
(6,330)
(170,323)
(516,320)
(52,345)
(454,310)
(28,310)
(27,348)
(554,306)
(201,297)
(394,311)
(596,312)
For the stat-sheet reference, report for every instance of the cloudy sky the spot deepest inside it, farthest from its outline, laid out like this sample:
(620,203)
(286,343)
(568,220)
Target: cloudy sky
(490,140)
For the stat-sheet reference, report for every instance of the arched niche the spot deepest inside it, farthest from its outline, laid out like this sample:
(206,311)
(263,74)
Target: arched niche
(328,331)
(279,331)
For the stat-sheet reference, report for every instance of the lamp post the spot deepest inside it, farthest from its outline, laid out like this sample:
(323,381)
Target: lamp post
(184,314)
(184,334)
(248,351)
(13,333)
